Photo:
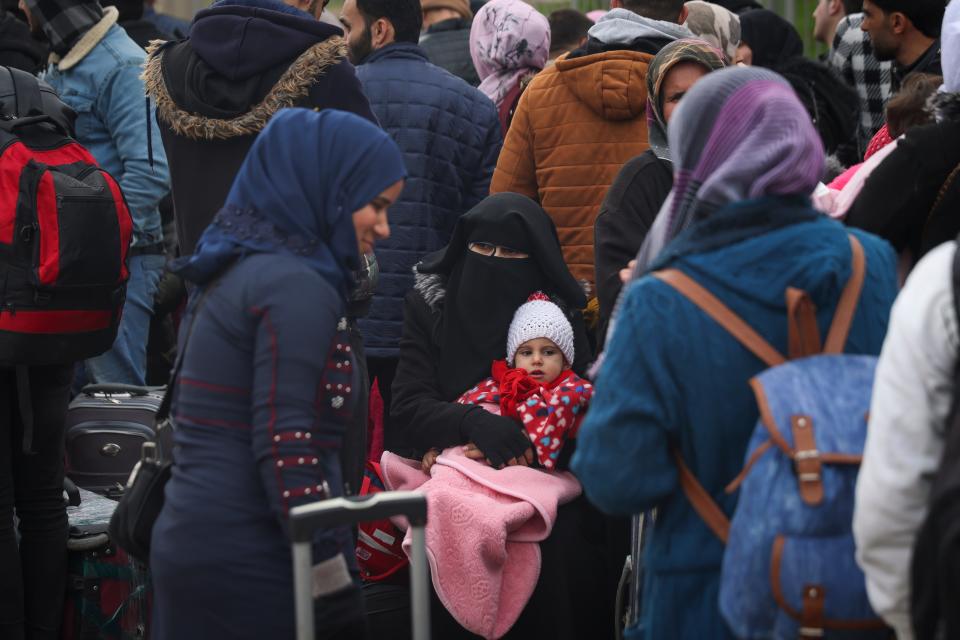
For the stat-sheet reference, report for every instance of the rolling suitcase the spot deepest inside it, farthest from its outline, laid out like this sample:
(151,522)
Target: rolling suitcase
(106,426)
(108,594)
(306,519)
(630,591)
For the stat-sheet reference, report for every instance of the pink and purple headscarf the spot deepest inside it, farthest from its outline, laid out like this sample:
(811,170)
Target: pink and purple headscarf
(739,134)
(509,39)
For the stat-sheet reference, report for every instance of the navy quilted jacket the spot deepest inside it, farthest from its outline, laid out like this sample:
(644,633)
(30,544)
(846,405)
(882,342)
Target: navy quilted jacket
(450,137)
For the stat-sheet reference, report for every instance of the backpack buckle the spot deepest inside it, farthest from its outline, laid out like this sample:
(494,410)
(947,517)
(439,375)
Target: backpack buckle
(811,617)
(806,460)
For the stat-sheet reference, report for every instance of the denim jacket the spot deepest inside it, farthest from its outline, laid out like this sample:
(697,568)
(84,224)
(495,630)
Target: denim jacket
(100,79)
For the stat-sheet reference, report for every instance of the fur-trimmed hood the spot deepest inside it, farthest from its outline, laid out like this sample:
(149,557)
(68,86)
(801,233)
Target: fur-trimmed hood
(245,60)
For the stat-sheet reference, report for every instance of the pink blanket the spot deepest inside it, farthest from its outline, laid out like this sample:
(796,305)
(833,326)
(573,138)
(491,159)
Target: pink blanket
(483,527)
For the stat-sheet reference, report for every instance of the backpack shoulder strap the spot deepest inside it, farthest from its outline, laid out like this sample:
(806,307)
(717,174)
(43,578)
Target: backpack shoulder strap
(847,306)
(722,314)
(708,510)
(26,88)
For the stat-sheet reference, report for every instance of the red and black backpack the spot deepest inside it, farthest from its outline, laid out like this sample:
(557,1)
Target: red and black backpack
(65,231)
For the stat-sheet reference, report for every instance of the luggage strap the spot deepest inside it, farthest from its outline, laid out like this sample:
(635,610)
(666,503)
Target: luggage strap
(803,340)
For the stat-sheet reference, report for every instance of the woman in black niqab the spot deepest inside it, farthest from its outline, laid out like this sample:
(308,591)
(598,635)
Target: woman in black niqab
(483,292)
(455,325)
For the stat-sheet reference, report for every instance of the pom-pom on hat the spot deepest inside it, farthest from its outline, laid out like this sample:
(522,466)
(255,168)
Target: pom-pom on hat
(539,317)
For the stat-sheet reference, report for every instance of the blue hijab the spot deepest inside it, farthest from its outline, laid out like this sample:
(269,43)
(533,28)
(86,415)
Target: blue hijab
(295,193)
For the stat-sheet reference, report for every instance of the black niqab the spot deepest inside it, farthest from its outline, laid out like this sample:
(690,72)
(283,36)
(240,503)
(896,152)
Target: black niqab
(772,39)
(483,292)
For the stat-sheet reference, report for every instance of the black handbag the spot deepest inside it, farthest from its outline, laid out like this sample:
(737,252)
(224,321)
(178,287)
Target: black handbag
(132,522)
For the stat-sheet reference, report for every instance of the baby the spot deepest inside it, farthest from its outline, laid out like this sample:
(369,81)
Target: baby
(535,385)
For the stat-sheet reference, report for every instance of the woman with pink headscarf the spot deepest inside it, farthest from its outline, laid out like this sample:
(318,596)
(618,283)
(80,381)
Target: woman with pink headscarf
(509,44)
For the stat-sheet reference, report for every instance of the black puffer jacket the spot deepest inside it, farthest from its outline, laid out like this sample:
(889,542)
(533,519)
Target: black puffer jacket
(217,90)
(447,45)
(911,199)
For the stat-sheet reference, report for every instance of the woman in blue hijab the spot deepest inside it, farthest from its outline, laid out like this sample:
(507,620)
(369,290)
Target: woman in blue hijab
(267,383)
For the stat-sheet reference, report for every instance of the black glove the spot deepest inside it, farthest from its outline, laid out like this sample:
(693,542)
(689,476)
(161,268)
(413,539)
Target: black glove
(500,439)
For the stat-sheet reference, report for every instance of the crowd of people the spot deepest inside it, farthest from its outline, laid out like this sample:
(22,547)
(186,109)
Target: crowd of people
(519,260)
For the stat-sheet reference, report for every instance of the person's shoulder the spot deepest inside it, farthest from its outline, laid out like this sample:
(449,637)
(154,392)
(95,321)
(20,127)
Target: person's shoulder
(334,64)
(850,25)
(646,296)
(121,47)
(427,293)
(644,164)
(878,252)
(926,302)
(441,88)
(936,263)
(932,138)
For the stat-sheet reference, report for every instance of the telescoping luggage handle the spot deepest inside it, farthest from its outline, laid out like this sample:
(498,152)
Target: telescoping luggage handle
(308,518)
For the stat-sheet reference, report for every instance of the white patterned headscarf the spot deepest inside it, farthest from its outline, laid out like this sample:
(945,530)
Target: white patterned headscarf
(508,40)
(716,25)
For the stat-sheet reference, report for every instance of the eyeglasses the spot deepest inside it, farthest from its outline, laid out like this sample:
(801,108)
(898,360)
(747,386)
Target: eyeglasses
(496,251)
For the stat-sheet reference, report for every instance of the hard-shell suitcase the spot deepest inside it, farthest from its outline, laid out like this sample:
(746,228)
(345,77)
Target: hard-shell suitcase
(108,594)
(106,426)
(306,519)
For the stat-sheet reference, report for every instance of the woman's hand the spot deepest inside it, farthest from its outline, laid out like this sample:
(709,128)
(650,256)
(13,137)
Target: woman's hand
(501,439)
(429,459)
(626,273)
(473,452)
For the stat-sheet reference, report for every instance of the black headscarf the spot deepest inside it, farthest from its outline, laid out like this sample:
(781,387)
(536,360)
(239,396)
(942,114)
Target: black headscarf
(738,6)
(772,39)
(483,292)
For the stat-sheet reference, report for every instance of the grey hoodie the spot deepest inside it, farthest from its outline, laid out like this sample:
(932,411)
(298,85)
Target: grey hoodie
(620,26)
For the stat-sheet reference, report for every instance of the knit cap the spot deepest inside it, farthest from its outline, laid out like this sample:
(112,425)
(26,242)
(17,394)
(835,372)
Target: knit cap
(460,6)
(538,317)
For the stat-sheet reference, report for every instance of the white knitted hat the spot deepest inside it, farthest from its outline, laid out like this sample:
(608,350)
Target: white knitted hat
(540,318)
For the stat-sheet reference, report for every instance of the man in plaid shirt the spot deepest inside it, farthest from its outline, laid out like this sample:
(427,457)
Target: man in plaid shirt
(852,57)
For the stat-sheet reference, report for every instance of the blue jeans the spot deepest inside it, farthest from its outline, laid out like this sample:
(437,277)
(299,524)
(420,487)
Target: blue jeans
(126,362)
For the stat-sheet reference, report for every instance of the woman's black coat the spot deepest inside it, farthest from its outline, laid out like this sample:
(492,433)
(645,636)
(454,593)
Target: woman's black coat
(581,559)
(625,218)
(897,201)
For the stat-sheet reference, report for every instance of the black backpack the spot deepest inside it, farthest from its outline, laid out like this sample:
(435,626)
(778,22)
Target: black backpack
(65,232)
(935,569)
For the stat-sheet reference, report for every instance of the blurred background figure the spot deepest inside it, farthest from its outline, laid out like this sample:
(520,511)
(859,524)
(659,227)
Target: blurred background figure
(568,31)
(446,37)
(19,49)
(715,25)
(767,40)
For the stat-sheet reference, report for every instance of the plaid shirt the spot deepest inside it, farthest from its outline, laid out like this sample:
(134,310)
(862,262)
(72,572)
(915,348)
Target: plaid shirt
(852,57)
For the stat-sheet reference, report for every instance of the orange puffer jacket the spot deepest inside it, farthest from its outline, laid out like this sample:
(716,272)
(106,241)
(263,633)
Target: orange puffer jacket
(576,125)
